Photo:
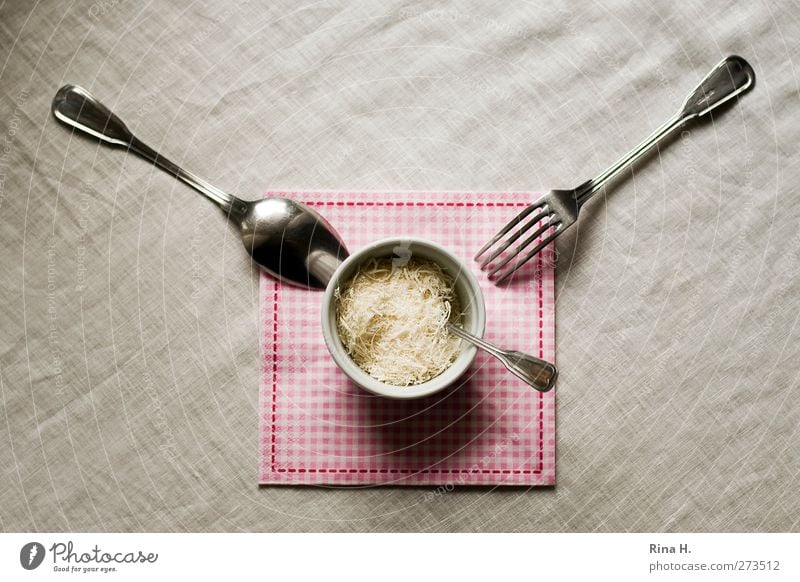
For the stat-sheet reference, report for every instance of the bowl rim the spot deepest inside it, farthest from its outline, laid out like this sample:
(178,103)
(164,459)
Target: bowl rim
(359,376)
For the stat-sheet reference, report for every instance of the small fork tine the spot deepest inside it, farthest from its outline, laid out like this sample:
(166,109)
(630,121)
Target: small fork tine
(511,224)
(521,246)
(546,241)
(510,240)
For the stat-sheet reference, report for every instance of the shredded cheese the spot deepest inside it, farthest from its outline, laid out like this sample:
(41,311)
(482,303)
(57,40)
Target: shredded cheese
(391,319)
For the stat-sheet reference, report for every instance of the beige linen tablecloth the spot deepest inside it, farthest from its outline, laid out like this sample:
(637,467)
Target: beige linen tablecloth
(129,347)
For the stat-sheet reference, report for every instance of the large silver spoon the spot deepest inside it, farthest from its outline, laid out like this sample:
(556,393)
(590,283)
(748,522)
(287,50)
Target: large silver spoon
(288,239)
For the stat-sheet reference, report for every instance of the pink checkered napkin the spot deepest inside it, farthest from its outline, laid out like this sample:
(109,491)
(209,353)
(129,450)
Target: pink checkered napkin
(316,427)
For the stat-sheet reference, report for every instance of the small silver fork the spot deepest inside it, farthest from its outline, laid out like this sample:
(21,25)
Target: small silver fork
(557,210)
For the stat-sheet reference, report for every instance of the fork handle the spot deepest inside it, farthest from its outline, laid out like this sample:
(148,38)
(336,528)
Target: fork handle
(730,78)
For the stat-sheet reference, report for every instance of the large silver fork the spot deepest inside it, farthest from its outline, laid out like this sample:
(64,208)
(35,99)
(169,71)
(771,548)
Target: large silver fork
(557,210)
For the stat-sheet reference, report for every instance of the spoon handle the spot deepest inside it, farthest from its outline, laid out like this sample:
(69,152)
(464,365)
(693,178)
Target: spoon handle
(535,372)
(538,373)
(78,108)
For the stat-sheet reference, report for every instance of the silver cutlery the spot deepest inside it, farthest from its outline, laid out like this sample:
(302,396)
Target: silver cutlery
(557,210)
(286,238)
(537,373)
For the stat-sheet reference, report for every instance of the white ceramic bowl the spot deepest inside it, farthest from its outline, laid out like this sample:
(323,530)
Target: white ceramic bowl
(470,298)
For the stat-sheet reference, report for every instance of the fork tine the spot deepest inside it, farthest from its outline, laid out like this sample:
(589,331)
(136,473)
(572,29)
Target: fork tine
(508,242)
(547,240)
(521,246)
(511,224)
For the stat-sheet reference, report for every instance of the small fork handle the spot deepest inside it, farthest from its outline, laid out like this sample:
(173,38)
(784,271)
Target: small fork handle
(730,78)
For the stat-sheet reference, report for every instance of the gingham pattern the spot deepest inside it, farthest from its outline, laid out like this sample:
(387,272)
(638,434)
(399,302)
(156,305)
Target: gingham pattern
(317,427)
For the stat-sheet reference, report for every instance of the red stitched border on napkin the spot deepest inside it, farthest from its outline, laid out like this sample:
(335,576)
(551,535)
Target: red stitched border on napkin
(318,428)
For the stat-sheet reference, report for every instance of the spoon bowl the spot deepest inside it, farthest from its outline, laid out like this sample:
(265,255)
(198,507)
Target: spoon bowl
(291,241)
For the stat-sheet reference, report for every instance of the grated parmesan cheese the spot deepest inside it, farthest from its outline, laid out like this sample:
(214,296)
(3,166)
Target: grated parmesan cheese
(391,319)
